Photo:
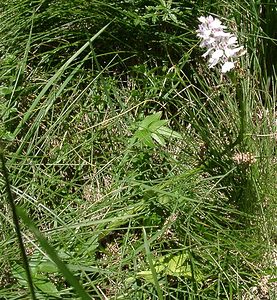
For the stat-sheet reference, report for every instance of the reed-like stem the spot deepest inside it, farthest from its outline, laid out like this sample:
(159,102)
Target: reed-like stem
(17,226)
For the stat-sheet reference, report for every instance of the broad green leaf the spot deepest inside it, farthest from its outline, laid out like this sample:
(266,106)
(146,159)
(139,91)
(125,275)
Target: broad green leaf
(144,136)
(4,90)
(46,286)
(167,132)
(141,133)
(156,125)
(47,267)
(173,18)
(150,119)
(20,274)
(174,265)
(40,280)
(130,280)
(147,276)
(159,139)
(7,136)
(154,128)
(178,266)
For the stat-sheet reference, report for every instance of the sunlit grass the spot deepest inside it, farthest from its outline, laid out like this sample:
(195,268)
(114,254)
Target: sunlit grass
(139,172)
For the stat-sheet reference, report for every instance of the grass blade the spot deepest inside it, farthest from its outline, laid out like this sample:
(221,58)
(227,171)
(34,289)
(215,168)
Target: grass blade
(151,264)
(54,256)
(54,78)
(17,226)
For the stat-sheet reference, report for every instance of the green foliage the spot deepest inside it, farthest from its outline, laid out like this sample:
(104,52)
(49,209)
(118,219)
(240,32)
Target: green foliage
(142,173)
(40,278)
(153,128)
(171,265)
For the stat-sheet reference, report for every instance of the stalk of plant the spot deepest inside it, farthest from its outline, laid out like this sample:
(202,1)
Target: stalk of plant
(16,225)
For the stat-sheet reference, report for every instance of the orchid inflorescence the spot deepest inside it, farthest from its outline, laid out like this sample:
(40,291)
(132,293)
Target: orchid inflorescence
(222,47)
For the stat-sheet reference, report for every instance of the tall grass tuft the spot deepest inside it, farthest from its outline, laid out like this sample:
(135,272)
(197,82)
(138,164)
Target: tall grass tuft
(137,172)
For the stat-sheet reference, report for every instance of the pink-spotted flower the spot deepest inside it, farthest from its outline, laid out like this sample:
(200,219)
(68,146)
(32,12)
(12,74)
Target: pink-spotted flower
(221,47)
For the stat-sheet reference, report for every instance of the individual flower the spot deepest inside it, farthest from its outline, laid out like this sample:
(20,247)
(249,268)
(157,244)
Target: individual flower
(222,47)
(226,67)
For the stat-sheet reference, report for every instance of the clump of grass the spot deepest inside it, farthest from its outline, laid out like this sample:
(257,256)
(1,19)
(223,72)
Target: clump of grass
(143,173)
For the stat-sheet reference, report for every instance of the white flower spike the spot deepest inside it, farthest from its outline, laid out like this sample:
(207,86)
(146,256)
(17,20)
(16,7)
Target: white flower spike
(222,47)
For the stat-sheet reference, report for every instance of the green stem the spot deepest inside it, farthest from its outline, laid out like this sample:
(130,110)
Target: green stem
(242,112)
(242,116)
(17,226)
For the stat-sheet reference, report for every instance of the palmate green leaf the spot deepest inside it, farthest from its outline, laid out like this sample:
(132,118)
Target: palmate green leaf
(152,128)
(144,136)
